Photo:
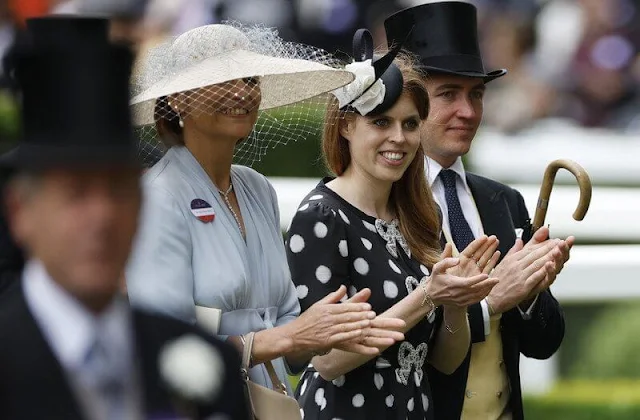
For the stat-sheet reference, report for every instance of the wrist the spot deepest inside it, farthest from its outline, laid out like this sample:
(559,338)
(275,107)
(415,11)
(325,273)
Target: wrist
(491,306)
(425,288)
(454,311)
(285,342)
(427,305)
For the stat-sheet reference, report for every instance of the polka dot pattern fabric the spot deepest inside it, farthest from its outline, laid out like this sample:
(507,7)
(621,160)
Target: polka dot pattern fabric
(331,243)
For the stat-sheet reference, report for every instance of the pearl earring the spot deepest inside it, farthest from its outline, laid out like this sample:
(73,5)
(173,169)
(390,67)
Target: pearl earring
(180,122)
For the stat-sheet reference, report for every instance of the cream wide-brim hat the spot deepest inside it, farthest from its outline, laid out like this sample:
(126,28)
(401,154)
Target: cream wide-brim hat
(215,54)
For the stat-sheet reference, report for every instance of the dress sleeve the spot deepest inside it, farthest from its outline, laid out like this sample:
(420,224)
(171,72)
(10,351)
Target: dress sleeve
(317,251)
(159,274)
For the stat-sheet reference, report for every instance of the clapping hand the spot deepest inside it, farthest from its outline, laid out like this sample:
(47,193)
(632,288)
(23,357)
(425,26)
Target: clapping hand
(480,256)
(446,288)
(350,325)
(527,270)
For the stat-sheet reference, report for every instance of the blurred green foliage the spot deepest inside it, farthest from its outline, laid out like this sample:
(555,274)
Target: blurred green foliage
(586,400)
(294,134)
(9,121)
(609,348)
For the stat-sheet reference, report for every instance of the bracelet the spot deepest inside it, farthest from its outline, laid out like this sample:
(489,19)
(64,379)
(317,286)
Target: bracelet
(427,300)
(451,330)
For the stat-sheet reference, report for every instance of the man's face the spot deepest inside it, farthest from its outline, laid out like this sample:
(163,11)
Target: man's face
(80,224)
(454,116)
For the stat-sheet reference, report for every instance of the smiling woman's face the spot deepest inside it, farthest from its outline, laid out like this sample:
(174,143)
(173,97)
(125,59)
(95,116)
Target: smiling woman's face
(227,110)
(383,146)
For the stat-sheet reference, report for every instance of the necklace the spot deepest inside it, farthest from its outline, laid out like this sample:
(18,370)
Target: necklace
(225,195)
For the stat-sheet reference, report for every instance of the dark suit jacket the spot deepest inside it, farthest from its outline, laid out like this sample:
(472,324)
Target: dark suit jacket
(502,210)
(33,385)
(11,256)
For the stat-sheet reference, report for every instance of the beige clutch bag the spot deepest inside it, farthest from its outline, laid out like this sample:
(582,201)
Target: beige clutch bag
(266,403)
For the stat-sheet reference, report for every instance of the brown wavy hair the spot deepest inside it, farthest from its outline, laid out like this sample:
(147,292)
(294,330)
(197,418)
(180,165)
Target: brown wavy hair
(411,198)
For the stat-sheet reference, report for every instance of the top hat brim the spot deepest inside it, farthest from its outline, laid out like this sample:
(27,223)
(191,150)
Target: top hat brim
(444,37)
(36,157)
(486,77)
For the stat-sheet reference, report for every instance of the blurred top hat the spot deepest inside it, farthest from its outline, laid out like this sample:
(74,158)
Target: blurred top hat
(74,88)
(444,36)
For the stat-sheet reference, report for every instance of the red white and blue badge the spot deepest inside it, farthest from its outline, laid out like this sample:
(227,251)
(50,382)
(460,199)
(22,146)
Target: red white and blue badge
(202,210)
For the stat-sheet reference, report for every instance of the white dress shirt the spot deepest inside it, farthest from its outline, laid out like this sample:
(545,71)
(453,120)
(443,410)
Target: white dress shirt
(70,328)
(470,212)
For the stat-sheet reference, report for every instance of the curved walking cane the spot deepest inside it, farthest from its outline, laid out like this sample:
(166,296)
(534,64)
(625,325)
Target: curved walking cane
(547,184)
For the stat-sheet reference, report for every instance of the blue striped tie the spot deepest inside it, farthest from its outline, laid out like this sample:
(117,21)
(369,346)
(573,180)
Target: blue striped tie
(105,379)
(460,230)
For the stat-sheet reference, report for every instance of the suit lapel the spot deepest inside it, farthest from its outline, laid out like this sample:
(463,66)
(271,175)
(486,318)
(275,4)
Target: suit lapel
(494,212)
(39,387)
(155,396)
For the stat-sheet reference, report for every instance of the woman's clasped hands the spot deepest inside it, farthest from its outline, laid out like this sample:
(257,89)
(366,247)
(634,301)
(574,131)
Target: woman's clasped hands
(464,280)
(348,325)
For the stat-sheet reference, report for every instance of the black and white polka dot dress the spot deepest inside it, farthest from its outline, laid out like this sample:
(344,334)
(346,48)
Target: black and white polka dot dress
(331,243)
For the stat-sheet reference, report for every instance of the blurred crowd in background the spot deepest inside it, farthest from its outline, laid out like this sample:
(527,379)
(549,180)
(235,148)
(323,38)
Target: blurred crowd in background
(578,60)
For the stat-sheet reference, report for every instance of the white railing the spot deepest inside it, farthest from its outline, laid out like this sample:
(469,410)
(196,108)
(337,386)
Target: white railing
(614,214)
(609,157)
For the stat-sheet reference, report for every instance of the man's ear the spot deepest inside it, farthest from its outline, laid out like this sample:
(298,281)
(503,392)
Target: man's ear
(20,207)
(14,209)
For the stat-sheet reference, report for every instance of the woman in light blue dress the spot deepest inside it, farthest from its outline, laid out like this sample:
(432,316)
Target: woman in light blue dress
(210,231)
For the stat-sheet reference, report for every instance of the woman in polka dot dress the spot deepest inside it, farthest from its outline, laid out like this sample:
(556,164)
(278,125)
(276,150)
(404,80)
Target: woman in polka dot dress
(375,226)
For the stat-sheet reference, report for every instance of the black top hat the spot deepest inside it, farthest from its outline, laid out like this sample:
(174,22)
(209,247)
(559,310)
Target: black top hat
(444,36)
(60,30)
(384,69)
(75,96)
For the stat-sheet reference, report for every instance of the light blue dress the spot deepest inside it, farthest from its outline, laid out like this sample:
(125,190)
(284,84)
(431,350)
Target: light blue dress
(179,261)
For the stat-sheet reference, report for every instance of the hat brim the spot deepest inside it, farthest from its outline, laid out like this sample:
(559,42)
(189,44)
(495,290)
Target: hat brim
(41,157)
(283,81)
(486,77)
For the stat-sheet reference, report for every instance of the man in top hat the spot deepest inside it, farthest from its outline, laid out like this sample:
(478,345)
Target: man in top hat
(11,256)
(520,316)
(71,348)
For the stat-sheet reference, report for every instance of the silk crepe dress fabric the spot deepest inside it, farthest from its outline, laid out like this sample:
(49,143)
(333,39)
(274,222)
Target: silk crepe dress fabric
(179,261)
(331,243)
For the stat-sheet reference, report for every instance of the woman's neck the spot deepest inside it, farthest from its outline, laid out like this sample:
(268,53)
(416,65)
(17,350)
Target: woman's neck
(369,195)
(214,155)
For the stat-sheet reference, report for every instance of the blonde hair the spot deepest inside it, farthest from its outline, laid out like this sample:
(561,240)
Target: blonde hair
(411,197)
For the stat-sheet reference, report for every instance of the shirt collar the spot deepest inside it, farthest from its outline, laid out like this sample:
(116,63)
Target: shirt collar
(70,329)
(433,169)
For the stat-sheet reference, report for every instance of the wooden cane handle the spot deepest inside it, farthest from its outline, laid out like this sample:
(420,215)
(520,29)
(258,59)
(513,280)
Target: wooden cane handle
(584,182)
